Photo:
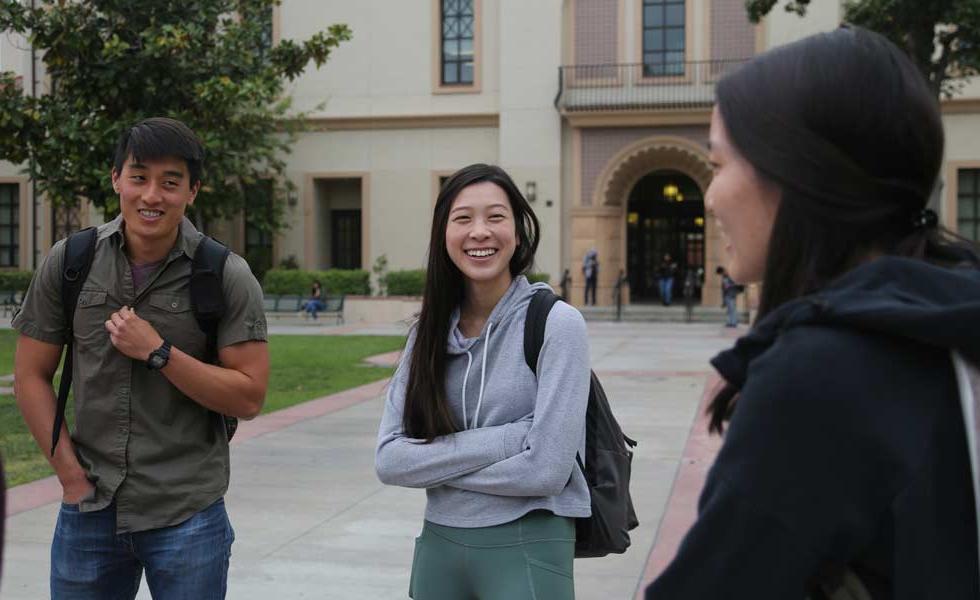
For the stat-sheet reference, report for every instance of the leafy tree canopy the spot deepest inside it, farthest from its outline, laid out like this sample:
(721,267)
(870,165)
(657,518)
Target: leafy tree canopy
(941,36)
(110,63)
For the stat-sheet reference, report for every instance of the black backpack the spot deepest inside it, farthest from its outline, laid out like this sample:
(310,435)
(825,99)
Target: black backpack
(608,454)
(207,301)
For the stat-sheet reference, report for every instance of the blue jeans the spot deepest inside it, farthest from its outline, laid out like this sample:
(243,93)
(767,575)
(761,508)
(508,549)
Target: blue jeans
(666,287)
(732,311)
(90,561)
(313,306)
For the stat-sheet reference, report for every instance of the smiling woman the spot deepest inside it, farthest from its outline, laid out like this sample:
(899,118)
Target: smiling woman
(495,453)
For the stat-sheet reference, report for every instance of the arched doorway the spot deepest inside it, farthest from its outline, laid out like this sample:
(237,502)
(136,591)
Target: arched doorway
(664,215)
(602,220)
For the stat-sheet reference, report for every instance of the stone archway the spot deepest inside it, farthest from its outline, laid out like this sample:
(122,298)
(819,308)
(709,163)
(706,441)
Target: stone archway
(603,224)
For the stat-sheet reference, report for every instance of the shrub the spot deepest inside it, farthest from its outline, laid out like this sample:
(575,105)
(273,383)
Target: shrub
(346,281)
(15,280)
(406,283)
(334,281)
(538,277)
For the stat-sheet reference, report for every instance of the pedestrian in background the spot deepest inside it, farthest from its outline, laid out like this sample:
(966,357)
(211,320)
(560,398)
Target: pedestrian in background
(665,277)
(729,296)
(590,271)
(493,445)
(566,283)
(848,462)
(315,303)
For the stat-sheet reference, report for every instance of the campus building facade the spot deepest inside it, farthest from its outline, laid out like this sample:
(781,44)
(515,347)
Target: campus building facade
(599,109)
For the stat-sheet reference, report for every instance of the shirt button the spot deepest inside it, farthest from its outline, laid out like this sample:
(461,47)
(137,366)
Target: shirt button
(173,305)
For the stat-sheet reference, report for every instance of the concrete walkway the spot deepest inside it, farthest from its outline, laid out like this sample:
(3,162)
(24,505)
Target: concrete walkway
(312,521)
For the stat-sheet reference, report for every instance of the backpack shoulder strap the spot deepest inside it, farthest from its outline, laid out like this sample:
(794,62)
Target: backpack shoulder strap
(534,324)
(79,254)
(207,292)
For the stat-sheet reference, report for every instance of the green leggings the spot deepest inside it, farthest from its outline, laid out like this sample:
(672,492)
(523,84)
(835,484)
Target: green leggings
(527,559)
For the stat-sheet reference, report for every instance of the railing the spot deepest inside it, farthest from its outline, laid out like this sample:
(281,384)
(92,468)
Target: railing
(638,86)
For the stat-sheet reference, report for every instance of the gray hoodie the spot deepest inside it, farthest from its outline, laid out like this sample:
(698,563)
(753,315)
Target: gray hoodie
(515,451)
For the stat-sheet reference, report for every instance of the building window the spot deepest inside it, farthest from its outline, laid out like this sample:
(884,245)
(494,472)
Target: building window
(457,42)
(65,220)
(968,204)
(266,40)
(663,37)
(258,236)
(9,225)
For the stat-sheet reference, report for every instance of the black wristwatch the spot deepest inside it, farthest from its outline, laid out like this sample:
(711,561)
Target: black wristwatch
(159,357)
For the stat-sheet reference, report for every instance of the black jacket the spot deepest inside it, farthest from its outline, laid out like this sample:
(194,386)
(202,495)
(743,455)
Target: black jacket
(847,447)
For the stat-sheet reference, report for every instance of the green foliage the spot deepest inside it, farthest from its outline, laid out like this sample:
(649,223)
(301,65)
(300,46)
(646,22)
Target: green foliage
(538,277)
(334,281)
(111,63)
(406,283)
(289,262)
(380,270)
(941,36)
(16,281)
(346,281)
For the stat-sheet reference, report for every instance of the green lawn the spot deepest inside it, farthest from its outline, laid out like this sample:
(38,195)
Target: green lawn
(303,368)
(8,338)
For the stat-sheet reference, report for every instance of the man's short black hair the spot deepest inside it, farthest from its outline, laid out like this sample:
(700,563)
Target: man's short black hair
(160,137)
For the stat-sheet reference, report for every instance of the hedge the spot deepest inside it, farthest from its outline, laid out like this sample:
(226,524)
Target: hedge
(412,283)
(15,280)
(334,281)
(406,283)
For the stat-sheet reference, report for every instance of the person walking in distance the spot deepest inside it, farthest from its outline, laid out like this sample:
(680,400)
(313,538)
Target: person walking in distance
(590,271)
(850,408)
(466,419)
(729,295)
(144,472)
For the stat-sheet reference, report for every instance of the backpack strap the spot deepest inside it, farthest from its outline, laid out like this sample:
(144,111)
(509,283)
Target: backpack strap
(207,293)
(79,254)
(534,324)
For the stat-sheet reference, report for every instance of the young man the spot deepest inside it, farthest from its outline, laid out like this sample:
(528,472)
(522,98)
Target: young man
(146,468)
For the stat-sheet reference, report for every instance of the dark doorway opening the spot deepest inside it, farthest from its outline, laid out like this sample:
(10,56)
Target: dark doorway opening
(665,215)
(346,239)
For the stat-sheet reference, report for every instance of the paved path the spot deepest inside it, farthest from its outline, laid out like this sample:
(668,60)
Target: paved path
(312,521)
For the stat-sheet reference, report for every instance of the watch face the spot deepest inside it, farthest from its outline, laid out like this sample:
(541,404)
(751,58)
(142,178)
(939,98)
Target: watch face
(156,361)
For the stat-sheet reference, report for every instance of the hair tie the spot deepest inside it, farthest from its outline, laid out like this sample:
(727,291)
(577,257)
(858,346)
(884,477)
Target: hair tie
(925,219)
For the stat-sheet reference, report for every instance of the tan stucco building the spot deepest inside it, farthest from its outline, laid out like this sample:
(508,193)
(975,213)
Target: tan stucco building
(599,109)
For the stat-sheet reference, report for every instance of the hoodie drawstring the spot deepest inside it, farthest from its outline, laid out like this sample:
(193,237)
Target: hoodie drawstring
(483,374)
(469,363)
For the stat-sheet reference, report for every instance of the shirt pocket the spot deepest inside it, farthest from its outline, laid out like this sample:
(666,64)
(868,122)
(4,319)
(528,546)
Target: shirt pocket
(91,313)
(173,318)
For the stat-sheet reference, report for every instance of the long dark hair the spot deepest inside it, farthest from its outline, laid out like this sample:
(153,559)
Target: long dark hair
(848,128)
(427,413)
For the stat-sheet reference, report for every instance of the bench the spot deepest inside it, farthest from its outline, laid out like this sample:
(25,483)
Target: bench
(292,304)
(10,301)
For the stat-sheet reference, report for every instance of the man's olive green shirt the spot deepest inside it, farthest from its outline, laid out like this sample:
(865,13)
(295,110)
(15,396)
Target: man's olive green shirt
(159,454)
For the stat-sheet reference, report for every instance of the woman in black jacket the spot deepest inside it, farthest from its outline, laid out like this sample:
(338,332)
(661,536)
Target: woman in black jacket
(846,463)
